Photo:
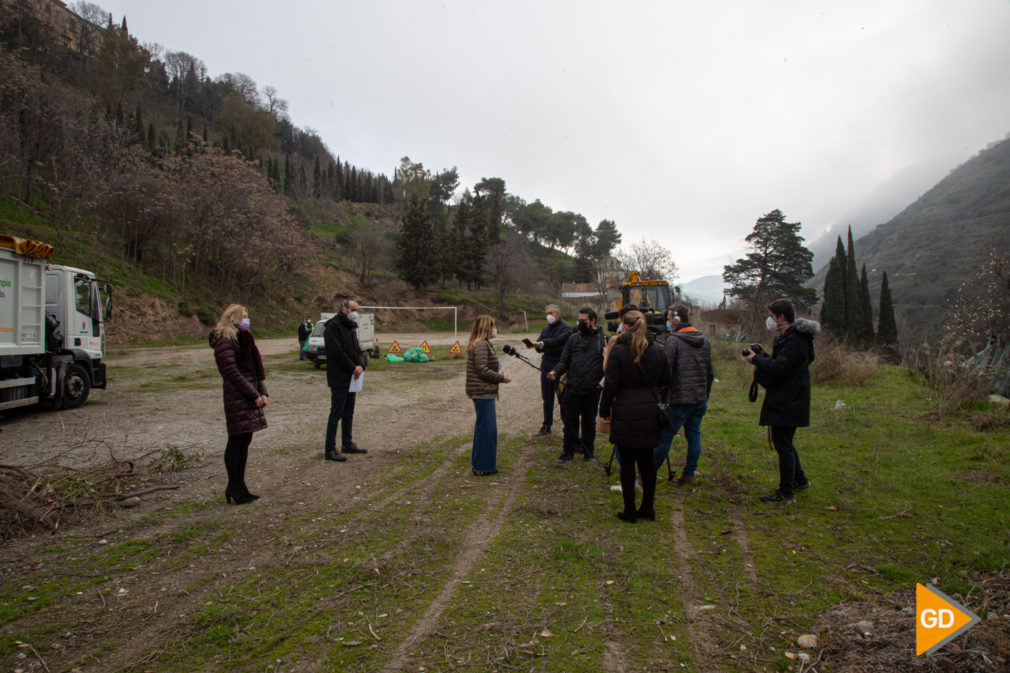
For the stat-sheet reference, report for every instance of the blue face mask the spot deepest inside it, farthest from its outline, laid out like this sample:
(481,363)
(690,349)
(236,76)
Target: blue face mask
(244,324)
(669,326)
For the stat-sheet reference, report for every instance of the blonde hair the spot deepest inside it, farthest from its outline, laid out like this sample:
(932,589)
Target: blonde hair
(634,324)
(482,326)
(227,324)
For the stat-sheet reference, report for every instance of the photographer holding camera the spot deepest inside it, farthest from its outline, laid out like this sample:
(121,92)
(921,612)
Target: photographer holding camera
(785,376)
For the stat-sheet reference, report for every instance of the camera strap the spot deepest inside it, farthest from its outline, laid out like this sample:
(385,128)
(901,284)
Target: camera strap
(752,394)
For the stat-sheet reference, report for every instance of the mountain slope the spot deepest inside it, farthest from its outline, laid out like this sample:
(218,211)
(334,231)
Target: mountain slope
(941,240)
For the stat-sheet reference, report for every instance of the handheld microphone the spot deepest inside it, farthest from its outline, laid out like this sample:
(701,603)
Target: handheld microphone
(509,350)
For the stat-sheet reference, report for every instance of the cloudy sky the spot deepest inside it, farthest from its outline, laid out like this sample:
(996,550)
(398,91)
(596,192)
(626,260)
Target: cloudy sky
(681,121)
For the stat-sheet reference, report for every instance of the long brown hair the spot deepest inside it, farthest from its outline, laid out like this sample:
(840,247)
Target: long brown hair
(482,326)
(634,325)
(227,324)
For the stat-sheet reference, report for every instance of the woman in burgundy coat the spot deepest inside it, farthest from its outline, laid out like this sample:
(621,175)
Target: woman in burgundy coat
(245,394)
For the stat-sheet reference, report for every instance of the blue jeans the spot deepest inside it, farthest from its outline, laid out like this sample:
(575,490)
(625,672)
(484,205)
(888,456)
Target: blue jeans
(484,456)
(341,411)
(689,416)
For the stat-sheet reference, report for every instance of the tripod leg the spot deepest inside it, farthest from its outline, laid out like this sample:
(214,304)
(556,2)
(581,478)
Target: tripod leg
(669,469)
(610,462)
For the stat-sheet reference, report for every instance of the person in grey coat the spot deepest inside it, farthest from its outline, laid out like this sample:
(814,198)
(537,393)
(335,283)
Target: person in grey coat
(785,376)
(689,357)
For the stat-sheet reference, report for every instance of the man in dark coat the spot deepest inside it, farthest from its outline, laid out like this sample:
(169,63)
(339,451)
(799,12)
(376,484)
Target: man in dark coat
(785,376)
(689,357)
(304,329)
(582,360)
(343,364)
(550,344)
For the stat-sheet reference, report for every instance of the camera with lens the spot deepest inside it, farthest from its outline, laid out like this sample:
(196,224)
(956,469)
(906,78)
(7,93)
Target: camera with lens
(755,348)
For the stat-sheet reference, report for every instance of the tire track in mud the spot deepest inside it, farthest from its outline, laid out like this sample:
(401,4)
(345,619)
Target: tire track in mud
(697,628)
(475,542)
(743,540)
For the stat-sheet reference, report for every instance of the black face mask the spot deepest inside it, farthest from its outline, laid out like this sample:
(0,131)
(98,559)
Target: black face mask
(585,328)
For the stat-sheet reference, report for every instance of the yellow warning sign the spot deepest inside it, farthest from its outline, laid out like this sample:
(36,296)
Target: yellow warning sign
(455,350)
(394,348)
(938,619)
(424,347)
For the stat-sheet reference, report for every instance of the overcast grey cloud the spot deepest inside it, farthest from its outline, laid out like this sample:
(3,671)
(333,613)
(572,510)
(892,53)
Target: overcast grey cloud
(683,122)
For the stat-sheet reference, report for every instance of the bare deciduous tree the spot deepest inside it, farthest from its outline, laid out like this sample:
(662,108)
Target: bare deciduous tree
(649,258)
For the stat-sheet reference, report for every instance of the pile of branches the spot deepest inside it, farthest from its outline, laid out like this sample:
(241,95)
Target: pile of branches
(42,497)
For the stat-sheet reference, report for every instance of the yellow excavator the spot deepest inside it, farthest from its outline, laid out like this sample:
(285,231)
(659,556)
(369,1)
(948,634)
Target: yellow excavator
(652,297)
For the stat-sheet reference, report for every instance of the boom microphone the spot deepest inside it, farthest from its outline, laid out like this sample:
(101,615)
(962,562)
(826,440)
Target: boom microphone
(510,350)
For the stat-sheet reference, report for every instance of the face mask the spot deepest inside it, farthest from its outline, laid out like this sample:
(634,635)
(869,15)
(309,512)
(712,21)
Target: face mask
(620,328)
(244,324)
(584,327)
(669,325)
(550,318)
(771,324)
(353,315)
(494,332)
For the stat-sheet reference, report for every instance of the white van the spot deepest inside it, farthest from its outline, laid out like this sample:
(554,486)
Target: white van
(316,350)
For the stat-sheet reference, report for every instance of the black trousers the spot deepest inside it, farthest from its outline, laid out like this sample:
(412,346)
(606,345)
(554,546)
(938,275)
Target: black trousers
(236,453)
(548,391)
(647,468)
(790,470)
(578,412)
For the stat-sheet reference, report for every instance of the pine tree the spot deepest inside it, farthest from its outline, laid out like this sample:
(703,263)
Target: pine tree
(317,180)
(415,245)
(777,266)
(152,138)
(851,290)
(865,326)
(887,328)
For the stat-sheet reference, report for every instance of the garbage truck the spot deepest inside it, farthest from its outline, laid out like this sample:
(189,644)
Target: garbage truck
(52,328)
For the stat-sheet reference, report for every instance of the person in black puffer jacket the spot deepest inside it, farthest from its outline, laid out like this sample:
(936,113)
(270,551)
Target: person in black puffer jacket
(785,376)
(582,360)
(636,370)
(245,394)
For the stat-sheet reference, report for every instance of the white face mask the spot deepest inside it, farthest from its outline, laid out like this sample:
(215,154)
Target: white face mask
(494,332)
(771,324)
(550,318)
(244,324)
(353,315)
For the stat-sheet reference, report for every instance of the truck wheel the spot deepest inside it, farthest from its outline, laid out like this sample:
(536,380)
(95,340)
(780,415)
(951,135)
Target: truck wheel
(316,363)
(76,387)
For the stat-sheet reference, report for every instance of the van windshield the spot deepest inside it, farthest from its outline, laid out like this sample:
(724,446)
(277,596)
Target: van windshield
(318,329)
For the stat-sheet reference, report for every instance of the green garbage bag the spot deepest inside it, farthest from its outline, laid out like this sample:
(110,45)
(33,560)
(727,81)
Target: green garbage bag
(392,357)
(415,355)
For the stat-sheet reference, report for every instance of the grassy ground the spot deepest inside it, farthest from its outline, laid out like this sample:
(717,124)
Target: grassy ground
(431,569)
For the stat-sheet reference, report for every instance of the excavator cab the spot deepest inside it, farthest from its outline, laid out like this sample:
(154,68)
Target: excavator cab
(652,297)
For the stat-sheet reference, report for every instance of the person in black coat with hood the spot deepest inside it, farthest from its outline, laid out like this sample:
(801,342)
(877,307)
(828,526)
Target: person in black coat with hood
(785,376)
(550,344)
(636,370)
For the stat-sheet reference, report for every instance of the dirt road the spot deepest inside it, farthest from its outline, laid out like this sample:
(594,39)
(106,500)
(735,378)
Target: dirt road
(159,397)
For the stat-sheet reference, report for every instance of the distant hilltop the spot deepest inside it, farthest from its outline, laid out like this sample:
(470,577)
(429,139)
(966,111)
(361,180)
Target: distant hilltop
(65,28)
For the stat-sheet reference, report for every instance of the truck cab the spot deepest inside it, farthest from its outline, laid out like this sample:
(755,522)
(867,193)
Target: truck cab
(52,328)
(652,297)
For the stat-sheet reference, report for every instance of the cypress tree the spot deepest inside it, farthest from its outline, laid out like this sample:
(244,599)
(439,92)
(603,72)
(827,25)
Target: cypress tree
(317,180)
(833,309)
(138,123)
(851,290)
(887,328)
(865,327)
(289,183)
(152,138)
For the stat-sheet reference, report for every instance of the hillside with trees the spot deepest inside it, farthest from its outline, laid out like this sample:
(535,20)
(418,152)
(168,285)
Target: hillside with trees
(185,189)
(940,242)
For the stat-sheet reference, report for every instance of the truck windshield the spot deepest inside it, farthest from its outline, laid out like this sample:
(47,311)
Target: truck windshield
(318,329)
(648,297)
